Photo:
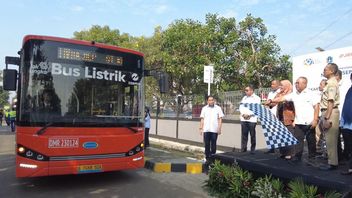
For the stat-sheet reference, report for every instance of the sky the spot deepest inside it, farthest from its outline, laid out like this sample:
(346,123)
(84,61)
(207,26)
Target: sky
(299,25)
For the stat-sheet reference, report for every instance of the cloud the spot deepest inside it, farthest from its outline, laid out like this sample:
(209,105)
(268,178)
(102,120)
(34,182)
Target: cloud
(161,9)
(77,8)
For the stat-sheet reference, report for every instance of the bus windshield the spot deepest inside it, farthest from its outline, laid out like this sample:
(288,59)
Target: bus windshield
(77,88)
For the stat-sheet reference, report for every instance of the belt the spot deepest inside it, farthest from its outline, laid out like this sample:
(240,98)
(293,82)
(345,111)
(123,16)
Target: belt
(324,109)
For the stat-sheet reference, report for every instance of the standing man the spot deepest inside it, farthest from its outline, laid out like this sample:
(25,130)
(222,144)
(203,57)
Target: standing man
(12,118)
(146,127)
(330,115)
(306,117)
(346,125)
(319,136)
(275,84)
(248,119)
(210,126)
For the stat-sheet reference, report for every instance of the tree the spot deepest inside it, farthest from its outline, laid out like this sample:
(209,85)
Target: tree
(4,95)
(106,35)
(241,53)
(183,50)
(259,54)
(222,38)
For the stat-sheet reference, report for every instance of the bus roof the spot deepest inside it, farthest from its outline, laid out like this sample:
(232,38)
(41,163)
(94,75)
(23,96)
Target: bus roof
(80,42)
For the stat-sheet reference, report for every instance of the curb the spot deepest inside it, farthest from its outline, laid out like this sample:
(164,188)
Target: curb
(167,167)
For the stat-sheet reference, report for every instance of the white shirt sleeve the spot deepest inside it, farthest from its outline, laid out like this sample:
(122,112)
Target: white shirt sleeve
(202,113)
(288,97)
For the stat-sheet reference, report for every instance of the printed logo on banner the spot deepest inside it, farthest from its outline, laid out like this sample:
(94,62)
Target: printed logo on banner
(310,61)
(346,55)
(329,59)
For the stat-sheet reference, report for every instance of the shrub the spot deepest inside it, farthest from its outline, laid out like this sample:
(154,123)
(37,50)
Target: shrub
(233,181)
(266,187)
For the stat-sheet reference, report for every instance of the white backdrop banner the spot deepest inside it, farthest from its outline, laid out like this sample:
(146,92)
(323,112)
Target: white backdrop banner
(312,66)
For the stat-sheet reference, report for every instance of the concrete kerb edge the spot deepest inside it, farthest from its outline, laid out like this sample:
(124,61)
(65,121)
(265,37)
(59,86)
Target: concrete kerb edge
(166,167)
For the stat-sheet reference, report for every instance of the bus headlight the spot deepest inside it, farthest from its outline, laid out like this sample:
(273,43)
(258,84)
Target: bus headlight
(30,154)
(40,157)
(21,149)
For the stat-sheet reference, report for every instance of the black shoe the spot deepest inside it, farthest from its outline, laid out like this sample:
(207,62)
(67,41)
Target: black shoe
(270,151)
(252,152)
(294,160)
(328,167)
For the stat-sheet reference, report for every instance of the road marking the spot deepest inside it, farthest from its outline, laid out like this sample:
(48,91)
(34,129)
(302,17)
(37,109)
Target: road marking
(98,191)
(156,149)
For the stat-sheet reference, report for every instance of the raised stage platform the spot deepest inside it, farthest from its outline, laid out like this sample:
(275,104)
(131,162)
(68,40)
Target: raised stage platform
(261,163)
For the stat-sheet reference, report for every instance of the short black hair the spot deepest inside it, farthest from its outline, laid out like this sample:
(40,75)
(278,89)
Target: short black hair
(339,73)
(250,86)
(210,96)
(334,68)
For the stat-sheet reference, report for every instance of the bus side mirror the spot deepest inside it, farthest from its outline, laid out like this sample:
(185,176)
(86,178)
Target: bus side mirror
(9,79)
(164,83)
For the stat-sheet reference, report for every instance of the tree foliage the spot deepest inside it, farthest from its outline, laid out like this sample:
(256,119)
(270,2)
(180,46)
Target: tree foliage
(106,35)
(4,95)
(242,53)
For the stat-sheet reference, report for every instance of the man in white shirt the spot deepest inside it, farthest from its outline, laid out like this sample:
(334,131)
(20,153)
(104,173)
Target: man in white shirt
(248,119)
(306,117)
(275,84)
(210,126)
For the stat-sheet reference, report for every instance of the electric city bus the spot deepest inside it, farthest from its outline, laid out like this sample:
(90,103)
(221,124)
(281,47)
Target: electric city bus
(80,107)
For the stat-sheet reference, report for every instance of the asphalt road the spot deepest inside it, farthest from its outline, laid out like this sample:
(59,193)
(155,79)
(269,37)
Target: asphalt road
(120,184)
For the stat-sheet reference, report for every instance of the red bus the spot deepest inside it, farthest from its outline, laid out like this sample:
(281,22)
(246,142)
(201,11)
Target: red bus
(80,107)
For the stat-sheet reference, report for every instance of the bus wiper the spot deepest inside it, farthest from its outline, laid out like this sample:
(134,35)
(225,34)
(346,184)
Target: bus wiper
(43,129)
(132,129)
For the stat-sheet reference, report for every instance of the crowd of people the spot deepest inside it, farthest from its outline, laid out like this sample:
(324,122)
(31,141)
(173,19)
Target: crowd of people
(307,115)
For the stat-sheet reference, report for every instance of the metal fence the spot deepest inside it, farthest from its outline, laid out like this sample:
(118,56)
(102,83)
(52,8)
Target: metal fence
(189,106)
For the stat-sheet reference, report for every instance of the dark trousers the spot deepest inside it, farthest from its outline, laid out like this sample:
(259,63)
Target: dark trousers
(146,137)
(288,150)
(210,144)
(347,140)
(301,132)
(340,151)
(248,127)
(12,123)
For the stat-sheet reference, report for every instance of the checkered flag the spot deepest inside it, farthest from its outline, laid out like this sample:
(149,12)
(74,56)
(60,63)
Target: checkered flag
(276,134)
